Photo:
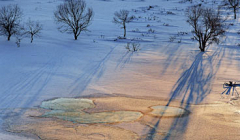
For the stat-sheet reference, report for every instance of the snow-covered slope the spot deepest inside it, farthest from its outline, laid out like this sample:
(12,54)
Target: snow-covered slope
(55,65)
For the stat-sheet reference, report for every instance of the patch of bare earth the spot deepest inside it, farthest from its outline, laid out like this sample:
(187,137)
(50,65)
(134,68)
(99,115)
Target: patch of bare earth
(206,121)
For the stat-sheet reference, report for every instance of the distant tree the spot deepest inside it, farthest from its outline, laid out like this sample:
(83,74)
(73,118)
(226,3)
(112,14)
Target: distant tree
(33,28)
(10,18)
(122,17)
(234,4)
(72,17)
(207,24)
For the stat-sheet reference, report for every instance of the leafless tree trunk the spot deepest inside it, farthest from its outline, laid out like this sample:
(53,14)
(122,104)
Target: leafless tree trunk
(207,25)
(234,4)
(122,17)
(72,17)
(10,17)
(33,29)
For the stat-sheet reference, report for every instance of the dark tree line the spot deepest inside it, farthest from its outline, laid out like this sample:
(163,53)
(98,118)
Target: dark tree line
(74,17)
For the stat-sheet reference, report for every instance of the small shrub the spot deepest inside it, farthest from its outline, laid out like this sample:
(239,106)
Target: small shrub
(102,36)
(172,38)
(150,7)
(135,47)
(165,24)
(132,47)
(136,30)
(182,33)
(170,13)
(151,30)
(18,41)
(128,47)
(180,41)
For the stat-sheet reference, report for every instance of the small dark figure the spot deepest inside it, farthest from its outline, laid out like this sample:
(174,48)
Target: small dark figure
(231,88)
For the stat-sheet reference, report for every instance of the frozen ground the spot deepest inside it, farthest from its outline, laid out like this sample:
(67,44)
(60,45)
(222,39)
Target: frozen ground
(55,65)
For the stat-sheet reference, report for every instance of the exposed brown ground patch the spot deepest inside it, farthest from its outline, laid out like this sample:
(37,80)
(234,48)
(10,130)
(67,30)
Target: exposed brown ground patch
(206,121)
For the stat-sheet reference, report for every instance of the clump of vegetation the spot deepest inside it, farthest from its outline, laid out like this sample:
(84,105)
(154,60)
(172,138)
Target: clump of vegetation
(136,30)
(18,42)
(151,30)
(133,47)
(170,13)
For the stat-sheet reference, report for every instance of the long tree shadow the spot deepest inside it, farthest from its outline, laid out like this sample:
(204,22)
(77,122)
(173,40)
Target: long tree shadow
(126,58)
(23,94)
(193,86)
(173,53)
(94,71)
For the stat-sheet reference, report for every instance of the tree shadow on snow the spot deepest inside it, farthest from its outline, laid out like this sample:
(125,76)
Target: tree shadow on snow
(172,58)
(193,86)
(126,58)
(31,88)
(93,71)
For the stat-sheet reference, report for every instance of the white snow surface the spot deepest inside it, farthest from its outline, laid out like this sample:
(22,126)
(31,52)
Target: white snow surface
(55,65)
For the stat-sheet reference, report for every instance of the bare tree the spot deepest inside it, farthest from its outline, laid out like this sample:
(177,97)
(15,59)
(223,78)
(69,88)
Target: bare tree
(72,17)
(122,17)
(10,17)
(234,4)
(33,28)
(208,25)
